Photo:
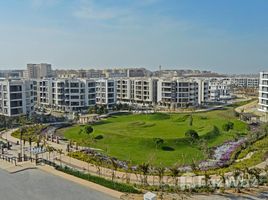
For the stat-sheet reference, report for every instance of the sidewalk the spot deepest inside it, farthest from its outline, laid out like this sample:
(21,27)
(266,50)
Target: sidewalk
(80,181)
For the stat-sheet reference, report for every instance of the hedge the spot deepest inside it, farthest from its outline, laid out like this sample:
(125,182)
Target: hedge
(121,187)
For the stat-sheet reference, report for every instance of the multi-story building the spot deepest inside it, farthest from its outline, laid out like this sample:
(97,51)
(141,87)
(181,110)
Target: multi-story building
(263,92)
(106,92)
(11,73)
(180,93)
(138,91)
(246,82)
(145,91)
(37,71)
(71,94)
(16,97)
(219,89)
(125,90)
(203,91)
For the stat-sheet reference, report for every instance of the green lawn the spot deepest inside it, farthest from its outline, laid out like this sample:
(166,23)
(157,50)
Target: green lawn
(131,137)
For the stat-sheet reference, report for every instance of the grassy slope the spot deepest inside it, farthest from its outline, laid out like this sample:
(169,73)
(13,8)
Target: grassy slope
(130,137)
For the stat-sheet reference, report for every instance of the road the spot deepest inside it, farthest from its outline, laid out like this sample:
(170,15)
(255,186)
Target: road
(39,185)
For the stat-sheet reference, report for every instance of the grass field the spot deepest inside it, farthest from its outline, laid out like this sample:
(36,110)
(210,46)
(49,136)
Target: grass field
(131,137)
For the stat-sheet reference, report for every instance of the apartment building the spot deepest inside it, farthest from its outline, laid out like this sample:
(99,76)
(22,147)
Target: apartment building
(263,92)
(138,91)
(106,92)
(37,71)
(70,94)
(246,82)
(219,89)
(16,97)
(181,93)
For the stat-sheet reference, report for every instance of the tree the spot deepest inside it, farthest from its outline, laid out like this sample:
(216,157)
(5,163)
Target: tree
(191,120)
(256,172)
(60,151)
(223,180)
(158,142)
(144,168)
(236,175)
(114,168)
(207,179)
(160,172)
(228,126)
(192,135)
(88,129)
(175,173)
(216,130)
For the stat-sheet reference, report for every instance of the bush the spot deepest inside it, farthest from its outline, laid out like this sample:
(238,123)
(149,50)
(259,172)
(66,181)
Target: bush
(192,134)
(191,121)
(228,126)
(121,187)
(88,129)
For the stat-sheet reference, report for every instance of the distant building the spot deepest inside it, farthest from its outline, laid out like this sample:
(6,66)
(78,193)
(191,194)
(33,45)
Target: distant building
(11,73)
(246,82)
(37,71)
(263,92)
(16,97)
(137,72)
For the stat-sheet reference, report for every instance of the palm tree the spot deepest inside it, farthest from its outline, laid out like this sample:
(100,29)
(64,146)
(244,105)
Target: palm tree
(144,168)
(50,150)
(207,178)
(247,173)
(223,180)
(266,172)
(114,168)
(175,173)
(256,173)
(128,172)
(160,172)
(60,151)
(236,175)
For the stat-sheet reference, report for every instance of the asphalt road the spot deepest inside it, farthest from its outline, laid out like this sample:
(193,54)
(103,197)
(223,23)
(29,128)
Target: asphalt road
(38,185)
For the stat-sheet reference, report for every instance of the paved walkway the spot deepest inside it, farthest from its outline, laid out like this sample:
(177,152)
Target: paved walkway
(40,185)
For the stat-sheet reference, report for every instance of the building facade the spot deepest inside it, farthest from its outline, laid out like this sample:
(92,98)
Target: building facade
(181,93)
(138,91)
(263,92)
(37,71)
(16,97)
(70,94)
(219,89)
(106,92)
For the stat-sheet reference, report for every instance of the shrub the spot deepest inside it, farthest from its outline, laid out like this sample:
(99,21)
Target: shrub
(228,126)
(88,129)
(191,120)
(158,142)
(192,134)
(121,187)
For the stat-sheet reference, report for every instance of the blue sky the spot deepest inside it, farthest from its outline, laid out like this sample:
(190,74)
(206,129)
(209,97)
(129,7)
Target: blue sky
(229,36)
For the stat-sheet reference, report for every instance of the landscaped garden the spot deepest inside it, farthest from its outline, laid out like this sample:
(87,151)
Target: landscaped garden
(28,132)
(160,139)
